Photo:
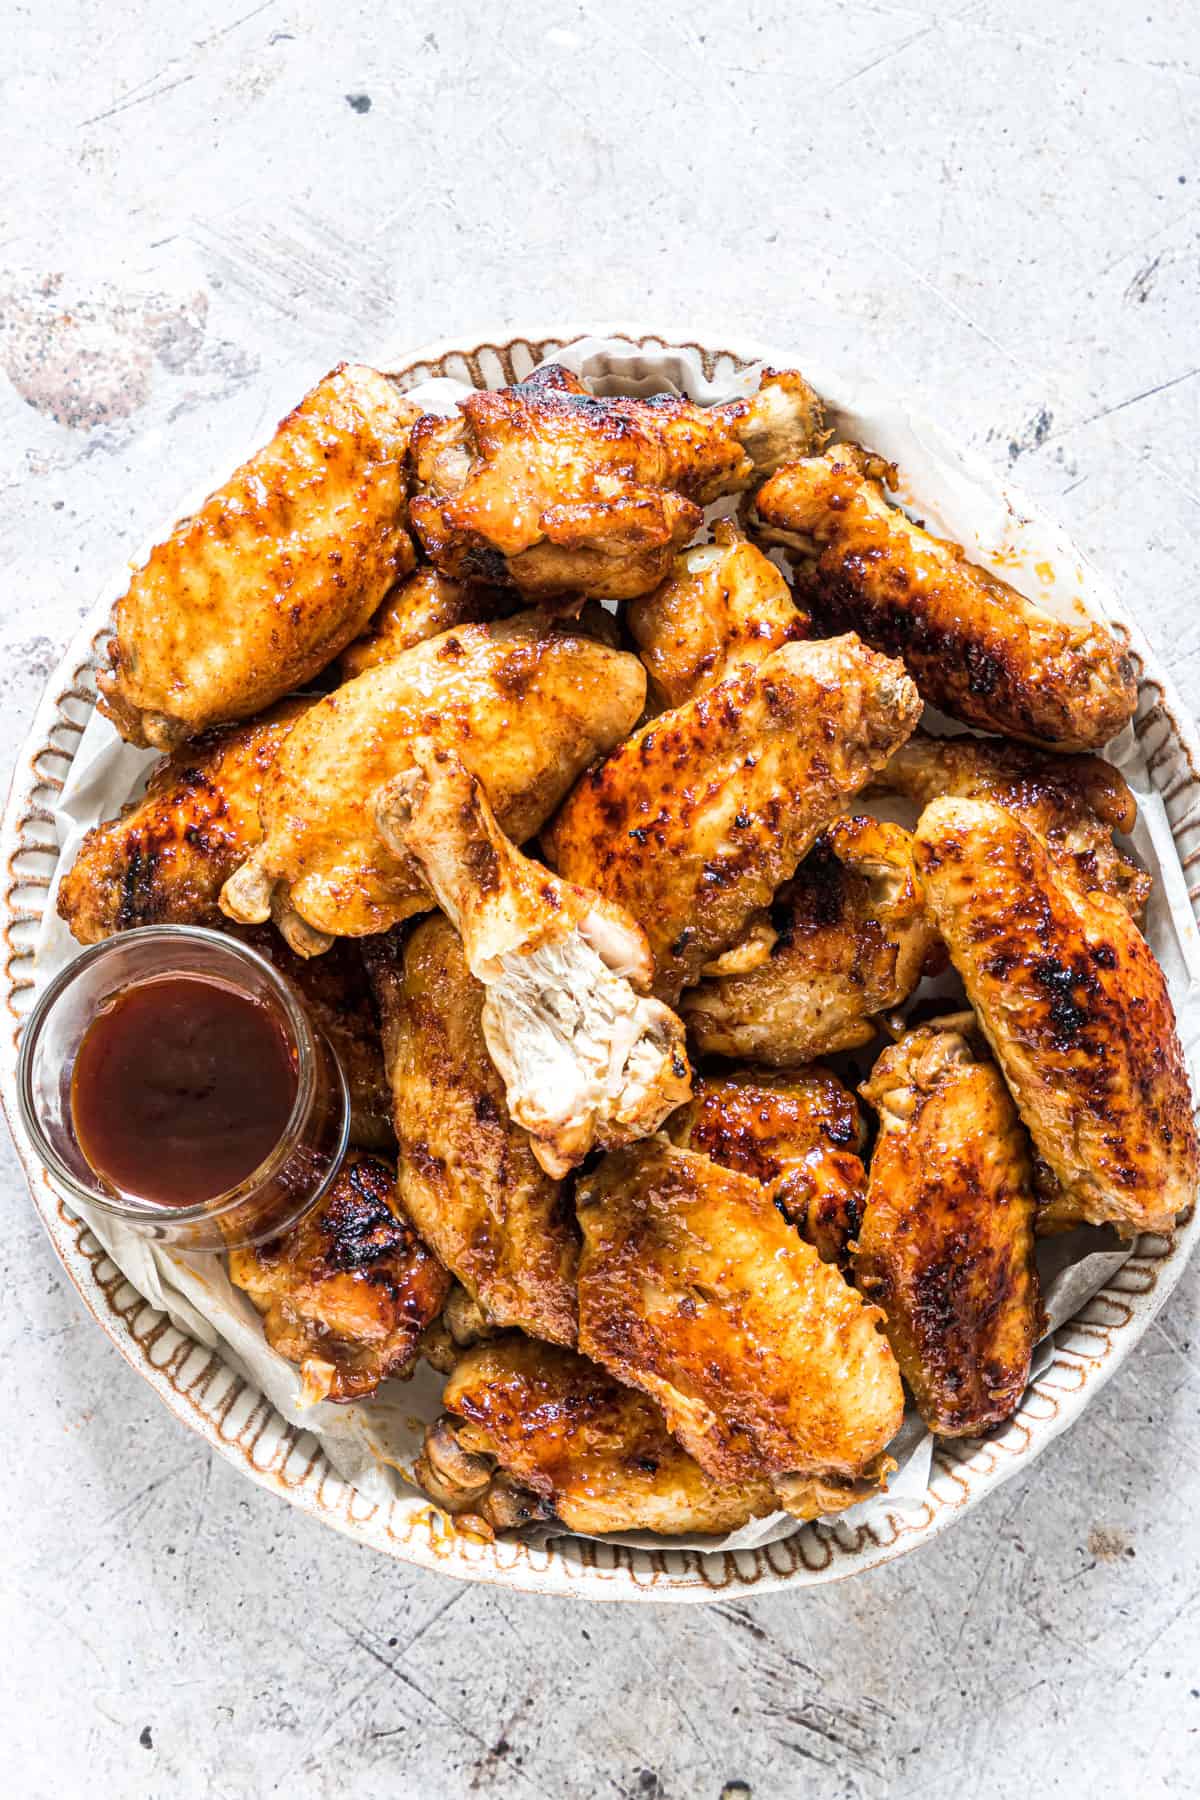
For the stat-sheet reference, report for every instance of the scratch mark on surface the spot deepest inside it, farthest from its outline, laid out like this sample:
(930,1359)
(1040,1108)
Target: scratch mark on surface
(137,100)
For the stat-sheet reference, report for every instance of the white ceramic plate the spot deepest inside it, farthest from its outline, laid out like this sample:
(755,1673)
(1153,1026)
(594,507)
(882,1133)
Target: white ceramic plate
(236,1420)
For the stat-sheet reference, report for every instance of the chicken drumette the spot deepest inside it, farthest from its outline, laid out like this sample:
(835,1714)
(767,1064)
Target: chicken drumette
(557,491)
(423,606)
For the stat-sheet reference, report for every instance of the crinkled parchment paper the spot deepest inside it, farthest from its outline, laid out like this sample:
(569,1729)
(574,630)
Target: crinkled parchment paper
(373,1444)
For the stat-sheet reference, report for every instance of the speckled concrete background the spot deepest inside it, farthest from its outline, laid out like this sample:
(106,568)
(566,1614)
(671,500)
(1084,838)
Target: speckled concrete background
(202,208)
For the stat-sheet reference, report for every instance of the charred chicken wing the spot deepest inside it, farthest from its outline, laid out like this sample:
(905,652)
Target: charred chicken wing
(421,607)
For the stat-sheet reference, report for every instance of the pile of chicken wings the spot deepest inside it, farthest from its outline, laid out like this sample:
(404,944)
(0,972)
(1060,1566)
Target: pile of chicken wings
(582,893)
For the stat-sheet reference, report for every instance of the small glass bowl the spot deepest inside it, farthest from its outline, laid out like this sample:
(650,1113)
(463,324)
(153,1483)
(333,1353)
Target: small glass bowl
(283,1187)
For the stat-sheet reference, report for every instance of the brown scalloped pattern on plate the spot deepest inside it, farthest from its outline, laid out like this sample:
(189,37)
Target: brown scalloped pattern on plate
(236,1420)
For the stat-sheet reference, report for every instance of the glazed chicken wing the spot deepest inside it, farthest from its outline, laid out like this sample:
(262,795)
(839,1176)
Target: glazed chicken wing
(694,1288)
(526,705)
(587,1060)
(165,860)
(421,607)
(724,605)
(1077,1013)
(849,938)
(532,1432)
(1074,804)
(975,646)
(253,594)
(467,1175)
(557,491)
(800,1134)
(348,1291)
(695,821)
(947,1247)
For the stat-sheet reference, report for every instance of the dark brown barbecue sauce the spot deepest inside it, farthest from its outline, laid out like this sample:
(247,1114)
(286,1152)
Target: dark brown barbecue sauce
(181,1089)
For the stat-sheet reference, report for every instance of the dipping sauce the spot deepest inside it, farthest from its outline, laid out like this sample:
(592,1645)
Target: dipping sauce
(182,1086)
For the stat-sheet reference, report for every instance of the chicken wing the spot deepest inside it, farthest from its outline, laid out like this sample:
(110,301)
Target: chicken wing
(587,1061)
(975,646)
(467,1175)
(849,938)
(533,1432)
(527,706)
(694,1288)
(556,491)
(947,1247)
(724,605)
(1077,1013)
(695,821)
(253,594)
(348,1291)
(421,607)
(164,861)
(1074,804)
(801,1134)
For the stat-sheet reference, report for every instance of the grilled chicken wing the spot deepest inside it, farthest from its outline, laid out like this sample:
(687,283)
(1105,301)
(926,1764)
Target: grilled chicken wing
(946,1247)
(1074,804)
(695,821)
(348,1291)
(164,861)
(533,1432)
(556,491)
(1077,1013)
(421,607)
(724,605)
(801,1135)
(527,706)
(975,646)
(849,938)
(467,1175)
(694,1288)
(253,595)
(587,1061)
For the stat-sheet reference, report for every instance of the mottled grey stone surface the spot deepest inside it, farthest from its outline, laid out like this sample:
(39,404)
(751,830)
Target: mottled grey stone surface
(202,207)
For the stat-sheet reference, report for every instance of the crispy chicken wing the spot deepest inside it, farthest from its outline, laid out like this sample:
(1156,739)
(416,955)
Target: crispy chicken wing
(587,1060)
(253,595)
(164,861)
(975,646)
(1077,1013)
(1074,804)
(724,605)
(467,1175)
(694,1288)
(348,1291)
(552,489)
(422,606)
(946,1247)
(695,821)
(800,1134)
(527,705)
(849,938)
(532,1432)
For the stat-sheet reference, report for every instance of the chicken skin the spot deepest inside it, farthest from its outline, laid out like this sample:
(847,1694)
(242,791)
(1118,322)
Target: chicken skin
(724,605)
(587,1060)
(468,1178)
(527,705)
(255,593)
(698,818)
(849,938)
(166,858)
(800,1134)
(421,607)
(1074,804)
(975,646)
(347,1292)
(694,1288)
(1077,1014)
(556,491)
(947,1244)
(532,1432)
